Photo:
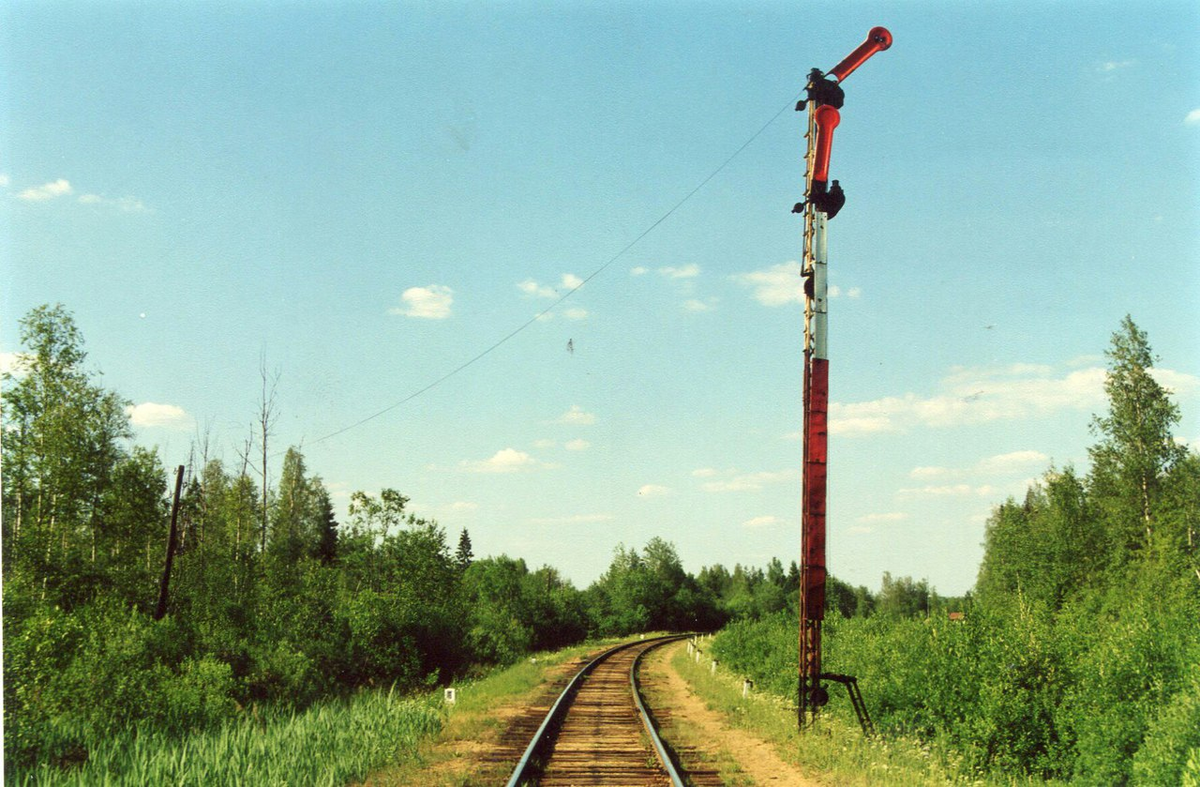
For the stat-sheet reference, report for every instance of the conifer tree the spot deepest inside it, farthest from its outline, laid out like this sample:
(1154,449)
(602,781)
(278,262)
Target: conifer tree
(463,555)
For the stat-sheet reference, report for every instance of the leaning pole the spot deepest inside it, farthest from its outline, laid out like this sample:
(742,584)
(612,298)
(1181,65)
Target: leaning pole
(822,201)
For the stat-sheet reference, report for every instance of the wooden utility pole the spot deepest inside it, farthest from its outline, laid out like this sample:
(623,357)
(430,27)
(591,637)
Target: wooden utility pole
(172,539)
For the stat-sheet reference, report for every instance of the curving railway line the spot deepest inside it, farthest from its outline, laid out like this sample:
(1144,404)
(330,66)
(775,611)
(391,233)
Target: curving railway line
(599,732)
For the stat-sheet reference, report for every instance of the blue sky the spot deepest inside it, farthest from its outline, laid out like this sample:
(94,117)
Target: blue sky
(372,194)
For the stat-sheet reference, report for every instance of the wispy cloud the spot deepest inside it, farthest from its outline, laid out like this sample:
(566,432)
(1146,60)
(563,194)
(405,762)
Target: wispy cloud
(1109,66)
(533,289)
(1193,118)
(429,303)
(46,191)
(779,285)
(654,490)
(506,460)
(696,305)
(577,416)
(577,445)
(948,490)
(689,271)
(4,180)
(972,396)
(152,414)
(123,204)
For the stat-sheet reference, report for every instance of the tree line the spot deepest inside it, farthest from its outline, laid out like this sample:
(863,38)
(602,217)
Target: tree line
(1078,654)
(272,600)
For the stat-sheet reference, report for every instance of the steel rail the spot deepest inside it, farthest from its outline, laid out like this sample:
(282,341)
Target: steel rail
(659,747)
(524,769)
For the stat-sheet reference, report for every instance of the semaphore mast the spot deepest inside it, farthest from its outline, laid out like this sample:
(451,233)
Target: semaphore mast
(822,201)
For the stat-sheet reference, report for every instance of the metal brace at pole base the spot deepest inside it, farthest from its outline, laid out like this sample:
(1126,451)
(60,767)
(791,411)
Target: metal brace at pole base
(856,699)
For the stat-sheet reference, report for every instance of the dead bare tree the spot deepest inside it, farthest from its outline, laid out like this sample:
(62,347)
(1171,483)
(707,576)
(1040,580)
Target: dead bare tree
(266,418)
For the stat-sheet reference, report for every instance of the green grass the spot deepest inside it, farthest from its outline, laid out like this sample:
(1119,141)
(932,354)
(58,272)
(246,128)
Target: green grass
(331,743)
(832,750)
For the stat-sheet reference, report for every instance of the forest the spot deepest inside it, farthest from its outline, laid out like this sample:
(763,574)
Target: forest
(1077,656)
(272,602)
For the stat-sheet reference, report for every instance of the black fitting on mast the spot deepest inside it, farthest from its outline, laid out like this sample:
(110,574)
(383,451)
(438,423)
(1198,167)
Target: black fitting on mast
(821,90)
(828,199)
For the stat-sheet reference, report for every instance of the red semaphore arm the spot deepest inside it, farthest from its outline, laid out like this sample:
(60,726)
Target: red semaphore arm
(878,40)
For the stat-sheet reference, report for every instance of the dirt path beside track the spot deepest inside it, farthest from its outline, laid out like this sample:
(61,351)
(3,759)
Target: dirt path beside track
(701,734)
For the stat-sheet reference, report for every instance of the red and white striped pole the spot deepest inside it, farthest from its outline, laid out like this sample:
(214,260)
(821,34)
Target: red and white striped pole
(822,202)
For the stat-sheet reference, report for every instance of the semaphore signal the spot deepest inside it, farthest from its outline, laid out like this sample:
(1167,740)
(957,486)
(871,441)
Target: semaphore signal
(822,201)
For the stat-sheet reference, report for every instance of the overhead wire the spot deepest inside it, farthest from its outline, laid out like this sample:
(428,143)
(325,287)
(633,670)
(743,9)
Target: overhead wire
(520,328)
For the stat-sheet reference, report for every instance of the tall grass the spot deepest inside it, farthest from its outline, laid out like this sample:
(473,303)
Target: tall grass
(330,743)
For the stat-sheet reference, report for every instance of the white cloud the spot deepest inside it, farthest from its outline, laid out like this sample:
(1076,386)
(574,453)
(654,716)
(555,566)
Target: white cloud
(575,314)
(782,284)
(123,204)
(533,289)
(9,363)
(46,191)
(1015,462)
(462,506)
(545,443)
(506,460)
(854,425)
(1178,384)
(152,414)
(1193,118)
(577,445)
(775,286)
(689,271)
(762,521)
(948,490)
(704,472)
(1109,66)
(974,396)
(577,416)
(695,305)
(4,180)
(654,490)
(642,271)
(429,303)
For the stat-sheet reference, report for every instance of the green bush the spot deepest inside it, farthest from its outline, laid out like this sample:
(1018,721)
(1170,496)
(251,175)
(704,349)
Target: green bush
(1172,738)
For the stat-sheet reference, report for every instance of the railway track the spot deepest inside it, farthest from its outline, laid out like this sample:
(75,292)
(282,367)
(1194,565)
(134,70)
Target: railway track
(598,732)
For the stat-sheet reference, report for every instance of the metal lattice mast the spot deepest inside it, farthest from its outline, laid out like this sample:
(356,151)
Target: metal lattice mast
(823,200)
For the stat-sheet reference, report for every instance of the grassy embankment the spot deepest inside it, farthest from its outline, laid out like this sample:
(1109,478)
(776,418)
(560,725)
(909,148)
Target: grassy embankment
(833,751)
(330,743)
(374,736)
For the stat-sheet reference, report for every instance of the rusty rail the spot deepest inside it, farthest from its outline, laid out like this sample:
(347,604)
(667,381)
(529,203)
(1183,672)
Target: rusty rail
(593,734)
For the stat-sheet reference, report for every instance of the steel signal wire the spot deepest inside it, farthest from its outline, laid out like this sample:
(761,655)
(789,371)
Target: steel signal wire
(514,332)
